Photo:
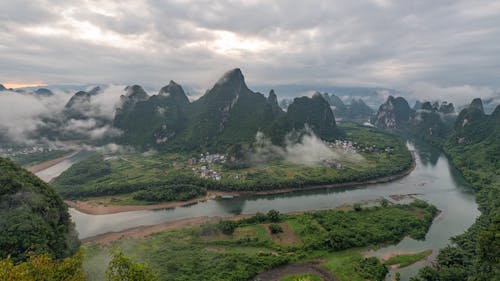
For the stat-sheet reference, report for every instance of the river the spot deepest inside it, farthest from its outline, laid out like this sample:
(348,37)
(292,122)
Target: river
(433,180)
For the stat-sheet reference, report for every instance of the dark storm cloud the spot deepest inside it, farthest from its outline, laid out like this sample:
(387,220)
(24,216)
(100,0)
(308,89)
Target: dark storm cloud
(424,47)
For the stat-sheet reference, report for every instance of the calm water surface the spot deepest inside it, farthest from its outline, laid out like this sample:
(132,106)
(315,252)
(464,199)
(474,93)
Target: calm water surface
(433,179)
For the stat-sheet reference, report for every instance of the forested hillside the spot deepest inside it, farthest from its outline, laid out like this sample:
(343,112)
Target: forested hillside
(33,217)
(474,148)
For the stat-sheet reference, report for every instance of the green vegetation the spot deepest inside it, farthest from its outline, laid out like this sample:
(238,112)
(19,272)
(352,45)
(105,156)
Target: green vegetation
(33,217)
(407,259)
(206,253)
(122,268)
(343,230)
(43,268)
(275,228)
(474,148)
(173,192)
(301,277)
(350,265)
(160,175)
(31,159)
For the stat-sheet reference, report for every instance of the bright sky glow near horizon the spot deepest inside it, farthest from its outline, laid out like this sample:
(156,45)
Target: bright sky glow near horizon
(427,47)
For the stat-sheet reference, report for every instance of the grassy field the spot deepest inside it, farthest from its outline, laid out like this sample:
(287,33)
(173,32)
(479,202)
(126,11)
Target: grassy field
(206,253)
(127,174)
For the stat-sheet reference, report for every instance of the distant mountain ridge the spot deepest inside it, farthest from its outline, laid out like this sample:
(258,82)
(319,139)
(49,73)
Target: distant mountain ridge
(227,114)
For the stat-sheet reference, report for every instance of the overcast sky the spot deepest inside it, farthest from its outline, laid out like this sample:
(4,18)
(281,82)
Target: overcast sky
(451,47)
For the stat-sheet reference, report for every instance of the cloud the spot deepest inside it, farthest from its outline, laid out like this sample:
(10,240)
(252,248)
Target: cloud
(23,114)
(20,113)
(459,95)
(304,149)
(371,43)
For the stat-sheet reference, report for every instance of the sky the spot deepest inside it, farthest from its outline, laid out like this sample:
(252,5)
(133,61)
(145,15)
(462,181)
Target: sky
(430,49)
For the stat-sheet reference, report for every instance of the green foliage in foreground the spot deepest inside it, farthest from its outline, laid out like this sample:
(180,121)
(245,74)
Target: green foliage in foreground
(206,253)
(43,268)
(351,266)
(159,174)
(33,217)
(122,268)
(301,277)
(407,259)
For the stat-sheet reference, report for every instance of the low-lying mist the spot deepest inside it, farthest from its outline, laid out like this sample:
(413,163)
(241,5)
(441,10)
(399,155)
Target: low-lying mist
(23,114)
(299,149)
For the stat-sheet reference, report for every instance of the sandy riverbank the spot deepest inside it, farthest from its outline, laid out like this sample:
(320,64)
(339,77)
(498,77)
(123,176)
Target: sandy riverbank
(143,231)
(96,207)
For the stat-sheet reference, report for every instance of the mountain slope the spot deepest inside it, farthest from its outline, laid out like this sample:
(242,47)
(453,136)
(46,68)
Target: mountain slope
(394,113)
(154,120)
(33,217)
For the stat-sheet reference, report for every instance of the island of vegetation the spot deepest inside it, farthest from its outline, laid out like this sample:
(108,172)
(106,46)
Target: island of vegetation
(333,240)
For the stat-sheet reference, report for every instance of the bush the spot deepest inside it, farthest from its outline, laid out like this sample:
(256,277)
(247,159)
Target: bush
(357,207)
(275,228)
(274,216)
(122,268)
(227,227)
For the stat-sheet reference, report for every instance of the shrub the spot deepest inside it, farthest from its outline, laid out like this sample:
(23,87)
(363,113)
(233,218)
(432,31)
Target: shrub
(273,216)
(275,228)
(227,227)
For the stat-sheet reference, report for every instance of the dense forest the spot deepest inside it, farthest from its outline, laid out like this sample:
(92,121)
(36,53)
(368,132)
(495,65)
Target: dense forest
(33,218)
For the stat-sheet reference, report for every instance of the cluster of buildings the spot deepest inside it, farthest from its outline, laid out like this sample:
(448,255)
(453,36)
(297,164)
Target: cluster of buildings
(207,173)
(206,159)
(350,146)
(11,152)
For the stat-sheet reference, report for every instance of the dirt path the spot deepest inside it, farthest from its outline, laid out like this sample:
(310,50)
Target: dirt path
(295,268)
(93,207)
(47,164)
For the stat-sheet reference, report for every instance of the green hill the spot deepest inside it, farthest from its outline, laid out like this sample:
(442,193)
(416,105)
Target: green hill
(474,148)
(33,217)
(229,113)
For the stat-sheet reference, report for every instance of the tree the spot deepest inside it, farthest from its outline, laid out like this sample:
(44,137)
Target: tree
(43,268)
(122,268)
(227,227)
(273,216)
(275,228)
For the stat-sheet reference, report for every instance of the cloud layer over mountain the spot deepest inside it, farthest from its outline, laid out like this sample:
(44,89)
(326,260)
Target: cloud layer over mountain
(394,44)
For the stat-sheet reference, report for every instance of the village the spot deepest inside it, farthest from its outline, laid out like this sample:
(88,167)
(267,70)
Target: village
(205,160)
(204,166)
(12,152)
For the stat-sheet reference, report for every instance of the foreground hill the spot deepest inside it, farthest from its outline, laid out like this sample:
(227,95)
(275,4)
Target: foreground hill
(33,217)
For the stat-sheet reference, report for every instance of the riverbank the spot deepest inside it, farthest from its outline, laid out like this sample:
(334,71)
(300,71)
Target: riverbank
(47,164)
(97,207)
(143,231)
